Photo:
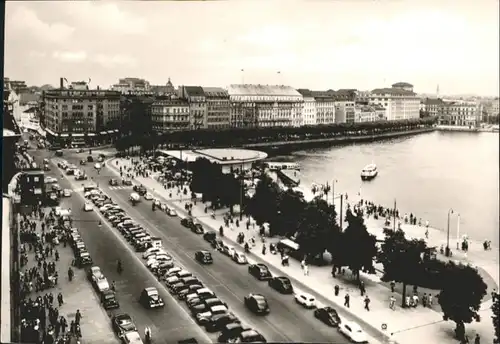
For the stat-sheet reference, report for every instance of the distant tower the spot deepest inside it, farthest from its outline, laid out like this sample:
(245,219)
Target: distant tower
(437,91)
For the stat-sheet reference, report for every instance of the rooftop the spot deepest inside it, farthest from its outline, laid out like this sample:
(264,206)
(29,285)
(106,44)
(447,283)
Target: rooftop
(393,92)
(215,92)
(9,133)
(402,84)
(28,97)
(194,91)
(262,90)
(224,156)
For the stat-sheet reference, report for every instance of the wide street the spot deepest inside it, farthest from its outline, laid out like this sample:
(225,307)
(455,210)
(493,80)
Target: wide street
(169,324)
(287,321)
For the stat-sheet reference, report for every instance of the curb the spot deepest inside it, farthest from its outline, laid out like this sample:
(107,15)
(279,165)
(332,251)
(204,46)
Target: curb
(182,214)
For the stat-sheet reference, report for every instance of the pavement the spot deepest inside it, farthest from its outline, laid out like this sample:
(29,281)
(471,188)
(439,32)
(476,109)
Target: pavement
(287,321)
(168,324)
(406,325)
(77,294)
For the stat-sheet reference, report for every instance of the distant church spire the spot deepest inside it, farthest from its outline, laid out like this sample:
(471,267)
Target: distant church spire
(437,91)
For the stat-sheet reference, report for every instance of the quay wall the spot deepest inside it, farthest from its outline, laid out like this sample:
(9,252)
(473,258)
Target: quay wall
(290,146)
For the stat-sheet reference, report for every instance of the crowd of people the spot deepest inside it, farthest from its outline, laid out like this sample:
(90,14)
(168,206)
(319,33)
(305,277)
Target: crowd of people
(41,322)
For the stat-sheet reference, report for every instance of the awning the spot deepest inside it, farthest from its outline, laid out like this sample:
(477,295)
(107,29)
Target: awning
(110,131)
(64,135)
(103,133)
(41,132)
(50,132)
(91,134)
(78,135)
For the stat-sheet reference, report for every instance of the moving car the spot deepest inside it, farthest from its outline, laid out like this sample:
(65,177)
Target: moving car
(353,331)
(281,284)
(97,166)
(132,338)
(257,303)
(250,336)
(148,196)
(81,176)
(328,315)
(113,182)
(260,271)
(126,182)
(240,258)
(67,193)
(210,236)
(204,257)
(134,198)
(187,222)
(88,206)
(122,323)
(141,190)
(150,298)
(171,212)
(305,299)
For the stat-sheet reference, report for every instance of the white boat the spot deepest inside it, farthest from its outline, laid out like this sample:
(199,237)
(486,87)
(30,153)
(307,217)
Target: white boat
(369,172)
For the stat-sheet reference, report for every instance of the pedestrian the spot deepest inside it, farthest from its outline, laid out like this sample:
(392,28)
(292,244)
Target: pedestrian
(477,340)
(306,270)
(346,300)
(72,327)
(427,234)
(337,289)
(78,317)
(60,299)
(393,286)
(429,300)
(362,288)
(367,303)
(147,335)
(263,249)
(392,302)
(303,263)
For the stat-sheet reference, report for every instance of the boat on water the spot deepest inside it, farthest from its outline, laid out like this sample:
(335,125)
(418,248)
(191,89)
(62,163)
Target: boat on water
(369,172)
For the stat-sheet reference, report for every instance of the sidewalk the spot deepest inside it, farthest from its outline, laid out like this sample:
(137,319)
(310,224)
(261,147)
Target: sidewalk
(415,325)
(77,294)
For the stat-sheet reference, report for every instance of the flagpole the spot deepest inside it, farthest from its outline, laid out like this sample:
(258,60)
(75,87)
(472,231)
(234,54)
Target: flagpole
(394,224)
(243,76)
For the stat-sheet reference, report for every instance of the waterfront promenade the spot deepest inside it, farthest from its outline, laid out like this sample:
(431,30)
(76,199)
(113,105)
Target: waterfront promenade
(415,325)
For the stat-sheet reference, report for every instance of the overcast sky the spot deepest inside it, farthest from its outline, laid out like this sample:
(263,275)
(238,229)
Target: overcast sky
(314,44)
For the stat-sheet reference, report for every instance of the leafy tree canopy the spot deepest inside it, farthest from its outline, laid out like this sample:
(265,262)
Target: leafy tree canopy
(496,318)
(461,295)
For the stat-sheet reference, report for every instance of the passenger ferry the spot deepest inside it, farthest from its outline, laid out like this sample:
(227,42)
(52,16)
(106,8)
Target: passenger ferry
(276,166)
(369,172)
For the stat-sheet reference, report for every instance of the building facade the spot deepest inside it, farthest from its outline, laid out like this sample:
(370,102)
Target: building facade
(170,113)
(309,114)
(345,101)
(197,106)
(255,106)
(164,90)
(399,101)
(70,113)
(432,106)
(218,108)
(369,113)
(459,113)
(325,107)
(132,86)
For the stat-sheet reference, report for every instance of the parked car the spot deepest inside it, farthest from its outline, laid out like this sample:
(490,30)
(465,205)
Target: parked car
(230,332)
(216,322)
(108,299)
(240,258)
(305,299)
(122,323)
(210,236)
(250,336)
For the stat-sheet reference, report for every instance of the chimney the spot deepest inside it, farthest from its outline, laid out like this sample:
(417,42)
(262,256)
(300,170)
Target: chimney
(61,83)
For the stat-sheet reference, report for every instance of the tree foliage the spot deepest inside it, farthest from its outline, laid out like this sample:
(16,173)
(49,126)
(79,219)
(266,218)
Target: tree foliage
(461,295)
(139,128)
(496,317)
(356,247)
(317,227)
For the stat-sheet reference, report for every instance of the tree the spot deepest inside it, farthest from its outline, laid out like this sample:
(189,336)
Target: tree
(401,258)
(496,317)
(318,227)
(461,295)
(264,204)
(291,205)
(358,246)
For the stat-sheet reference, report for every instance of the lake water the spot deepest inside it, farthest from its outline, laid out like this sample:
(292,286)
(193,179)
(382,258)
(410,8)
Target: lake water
(427,174)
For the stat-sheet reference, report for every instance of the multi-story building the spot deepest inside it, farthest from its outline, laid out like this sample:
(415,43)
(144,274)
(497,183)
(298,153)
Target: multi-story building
(80,113)
(218,108)
(163,90)
(459,113)
(255,106)
(136,114)
(325,107)
(345,101)
(132,86)
(432,106)
(399,101)
(170,113)
(197,106)
(369,113)
(309,114)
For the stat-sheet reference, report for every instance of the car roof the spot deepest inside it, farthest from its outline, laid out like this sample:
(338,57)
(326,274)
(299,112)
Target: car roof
(218,308)
(352,325)
(260,265)
(122,316)
(258,296)
(151,290)
(204,252)
(283,278)
(204,290)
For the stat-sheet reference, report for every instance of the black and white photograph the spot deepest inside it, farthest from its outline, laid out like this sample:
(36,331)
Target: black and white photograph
(250,171)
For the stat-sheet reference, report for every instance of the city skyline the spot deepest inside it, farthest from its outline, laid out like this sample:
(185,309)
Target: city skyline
(454,44)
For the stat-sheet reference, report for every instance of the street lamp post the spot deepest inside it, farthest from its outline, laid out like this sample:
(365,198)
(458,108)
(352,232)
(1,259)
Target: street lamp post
(447,252)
